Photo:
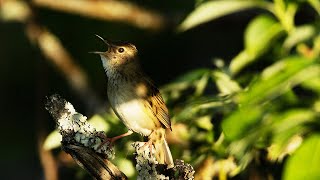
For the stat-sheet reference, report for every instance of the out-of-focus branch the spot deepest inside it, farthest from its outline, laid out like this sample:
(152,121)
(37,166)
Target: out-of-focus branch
(52,49)
(109,10)
(49,163)
(83,143)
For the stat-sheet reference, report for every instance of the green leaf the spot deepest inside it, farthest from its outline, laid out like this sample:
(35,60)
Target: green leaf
(239,123)
(225,84)
(192,75)
(259,35)
(298,35)
(315,4)
(214,9)
(278,79)
(204,122)
(284,127)
(313,84)
(290,119)
(197,78)
(52,141)
(305,162)
(285,11)
(275,81)
(201,84)
(204,106)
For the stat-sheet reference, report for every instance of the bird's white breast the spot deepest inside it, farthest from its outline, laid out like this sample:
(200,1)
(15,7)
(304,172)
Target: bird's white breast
(135,116)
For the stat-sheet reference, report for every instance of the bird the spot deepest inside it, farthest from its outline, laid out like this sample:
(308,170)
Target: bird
(135,99)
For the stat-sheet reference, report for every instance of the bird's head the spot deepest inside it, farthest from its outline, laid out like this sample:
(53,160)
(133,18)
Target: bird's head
(119,56)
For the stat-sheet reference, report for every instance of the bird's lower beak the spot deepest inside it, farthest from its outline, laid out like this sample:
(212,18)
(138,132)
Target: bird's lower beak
(105,41)
(97,52)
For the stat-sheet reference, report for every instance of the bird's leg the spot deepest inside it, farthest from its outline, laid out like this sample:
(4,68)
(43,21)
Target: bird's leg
(149,143)
(113,139)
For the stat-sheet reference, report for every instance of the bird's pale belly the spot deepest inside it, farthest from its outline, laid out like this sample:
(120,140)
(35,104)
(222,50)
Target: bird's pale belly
(135,116)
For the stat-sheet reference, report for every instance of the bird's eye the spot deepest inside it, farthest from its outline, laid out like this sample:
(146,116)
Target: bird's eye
(120,50)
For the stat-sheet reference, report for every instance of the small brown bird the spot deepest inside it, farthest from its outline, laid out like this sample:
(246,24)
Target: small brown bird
(135,99)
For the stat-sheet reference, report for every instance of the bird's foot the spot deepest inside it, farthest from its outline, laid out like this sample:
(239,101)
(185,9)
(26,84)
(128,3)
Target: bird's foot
(149,144)
(113,139)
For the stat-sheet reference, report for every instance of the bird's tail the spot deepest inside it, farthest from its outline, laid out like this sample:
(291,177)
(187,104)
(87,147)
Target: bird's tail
(162,151)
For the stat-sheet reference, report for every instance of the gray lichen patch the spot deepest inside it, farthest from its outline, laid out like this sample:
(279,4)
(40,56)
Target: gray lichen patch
(146,162)
(74,127)
(148,167)
(185,170)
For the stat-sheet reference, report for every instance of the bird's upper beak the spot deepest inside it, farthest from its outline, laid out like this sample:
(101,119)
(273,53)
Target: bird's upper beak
(106,42)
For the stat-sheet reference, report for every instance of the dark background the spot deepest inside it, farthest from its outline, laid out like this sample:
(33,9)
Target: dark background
(26,77)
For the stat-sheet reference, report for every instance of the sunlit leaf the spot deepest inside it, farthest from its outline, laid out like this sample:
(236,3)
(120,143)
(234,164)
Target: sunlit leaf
(201,84)
(277,151)
(286,125)
(299,34)
(126,166)
(279,78)
(204,106)
(196,78)
(313,84)
(204,122)
(225,84)
(275,81)
(291,118)
(99,123)
(315,4)
(259,35)
(305,162)
(214,9)
(192,75)
(285,12)
(240,122)
(52,141)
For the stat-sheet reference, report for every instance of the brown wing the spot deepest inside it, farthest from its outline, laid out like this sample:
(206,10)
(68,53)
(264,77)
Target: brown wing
(156,103)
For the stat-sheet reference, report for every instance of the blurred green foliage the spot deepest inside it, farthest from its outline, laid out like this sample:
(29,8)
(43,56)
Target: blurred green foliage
(272,110)
(249,115)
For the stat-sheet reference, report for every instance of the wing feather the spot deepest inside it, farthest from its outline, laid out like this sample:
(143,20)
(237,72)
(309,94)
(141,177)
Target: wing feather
(157,105)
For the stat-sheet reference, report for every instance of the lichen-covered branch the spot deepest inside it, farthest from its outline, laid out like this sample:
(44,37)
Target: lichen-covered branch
(83,143)
(148,167)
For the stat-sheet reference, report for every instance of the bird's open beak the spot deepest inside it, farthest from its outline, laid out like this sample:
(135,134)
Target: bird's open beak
(96,52)
(105,41)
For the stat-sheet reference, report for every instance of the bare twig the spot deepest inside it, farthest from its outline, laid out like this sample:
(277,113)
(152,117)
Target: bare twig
(109,10)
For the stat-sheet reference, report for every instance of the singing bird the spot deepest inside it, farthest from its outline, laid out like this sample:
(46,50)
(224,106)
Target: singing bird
(135,99)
